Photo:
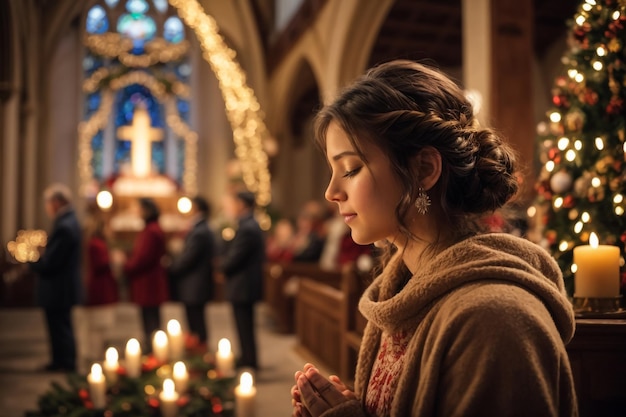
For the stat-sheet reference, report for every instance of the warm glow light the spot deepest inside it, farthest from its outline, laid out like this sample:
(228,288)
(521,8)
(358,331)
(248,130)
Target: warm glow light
(618,198)
(555,117)
(578,227)
(563,246)
(132,346)
(586,7)
(245,382)
(96,372)
(104,199)
(599,143)
(558,202)
(578,145)
(550,166)
(173,327)
(111,355)
(531,211)
(179,370)
(616,14)
(591,2)
(572,73)
(596,182)
(563,143)
(570,155)
(601,51)
(619,210)
(223,347)
(574,268)
(597,65)
(168,389)
(593,240)
(579,78)
(585,217)
(184,205)
(580,19)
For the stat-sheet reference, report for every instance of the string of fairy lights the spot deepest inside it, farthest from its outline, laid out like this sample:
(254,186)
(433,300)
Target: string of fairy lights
(242,108)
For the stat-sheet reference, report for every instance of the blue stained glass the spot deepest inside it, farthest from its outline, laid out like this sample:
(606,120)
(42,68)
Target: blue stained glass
(137,27)
(93,102)
(183,70)
(97,21)
(161,5)
(173,30)
(137,6)
(97,145)
(183,108)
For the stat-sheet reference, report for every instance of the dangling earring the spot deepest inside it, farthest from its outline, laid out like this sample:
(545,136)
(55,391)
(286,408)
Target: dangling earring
(422,201)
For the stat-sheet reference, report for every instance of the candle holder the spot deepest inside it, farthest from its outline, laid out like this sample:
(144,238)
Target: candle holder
(585,305)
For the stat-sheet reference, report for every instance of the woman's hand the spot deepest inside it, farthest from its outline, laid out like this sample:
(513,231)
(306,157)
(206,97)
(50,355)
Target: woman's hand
(313,394)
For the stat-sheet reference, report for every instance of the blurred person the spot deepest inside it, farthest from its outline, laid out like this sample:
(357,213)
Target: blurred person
(280,242)
(191,271)
(308,243)
(59,286)
(144,270)
(242,265)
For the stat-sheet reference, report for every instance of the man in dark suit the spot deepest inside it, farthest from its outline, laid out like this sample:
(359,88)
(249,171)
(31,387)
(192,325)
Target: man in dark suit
(242,265)
(191,272)
(59,285)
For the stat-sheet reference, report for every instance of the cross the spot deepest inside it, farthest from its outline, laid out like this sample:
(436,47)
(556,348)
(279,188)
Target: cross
(141,135)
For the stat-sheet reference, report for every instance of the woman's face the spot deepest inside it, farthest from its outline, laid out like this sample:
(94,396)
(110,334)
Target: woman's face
(367,195)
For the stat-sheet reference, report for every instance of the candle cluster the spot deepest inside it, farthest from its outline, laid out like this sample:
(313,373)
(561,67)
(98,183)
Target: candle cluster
(168,360)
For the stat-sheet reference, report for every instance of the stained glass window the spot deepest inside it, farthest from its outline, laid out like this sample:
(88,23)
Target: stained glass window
(134,20)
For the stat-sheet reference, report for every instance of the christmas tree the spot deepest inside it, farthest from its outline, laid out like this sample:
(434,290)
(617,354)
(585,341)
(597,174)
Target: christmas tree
(582,183)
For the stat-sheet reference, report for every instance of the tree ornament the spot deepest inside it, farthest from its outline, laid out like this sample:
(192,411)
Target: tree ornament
(574,120)
(561,182)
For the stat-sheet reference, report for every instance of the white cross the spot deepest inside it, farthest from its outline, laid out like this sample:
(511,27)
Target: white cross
(141,135)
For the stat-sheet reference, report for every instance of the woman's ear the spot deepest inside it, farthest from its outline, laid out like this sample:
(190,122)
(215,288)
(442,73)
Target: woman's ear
(428,161)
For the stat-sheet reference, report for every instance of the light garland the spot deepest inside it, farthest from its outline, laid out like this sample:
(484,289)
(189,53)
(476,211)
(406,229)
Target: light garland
(25,247)
(242,108)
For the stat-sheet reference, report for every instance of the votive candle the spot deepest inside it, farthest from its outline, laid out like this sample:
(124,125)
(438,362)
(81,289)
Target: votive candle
(110,365)
(97,386)
(245,396)
(597,270)
(133,358)
(180,376)
(160,346)
(175,336)
(168,398)
(224,359)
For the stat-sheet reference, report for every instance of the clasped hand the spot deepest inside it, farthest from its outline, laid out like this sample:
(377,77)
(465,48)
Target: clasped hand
(314,394)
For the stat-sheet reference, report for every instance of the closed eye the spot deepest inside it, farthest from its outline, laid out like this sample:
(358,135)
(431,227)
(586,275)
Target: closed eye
(350,174)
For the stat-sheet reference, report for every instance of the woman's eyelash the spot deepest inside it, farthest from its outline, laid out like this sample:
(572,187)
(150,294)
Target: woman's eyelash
(352,173)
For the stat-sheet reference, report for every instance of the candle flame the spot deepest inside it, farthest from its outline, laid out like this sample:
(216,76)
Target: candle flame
(173,327)
(245,381)
(593,240)
(168,386)
(223,347)
(179,369)
(96,371)
(132,346)
(160,338)
(111,355)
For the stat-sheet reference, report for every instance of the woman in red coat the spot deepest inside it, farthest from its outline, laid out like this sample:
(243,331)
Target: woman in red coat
(101,285)
(144,270)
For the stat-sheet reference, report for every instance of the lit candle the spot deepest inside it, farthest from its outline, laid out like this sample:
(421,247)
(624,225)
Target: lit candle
(159,346)
(597,270)
(133,358)
(110,365)
(168,399)
(180,376)
(175,336)
(224,359)
(97,386)
(245,394)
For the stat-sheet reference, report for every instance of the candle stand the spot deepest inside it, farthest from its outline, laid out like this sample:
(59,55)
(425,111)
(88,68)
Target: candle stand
(595,305)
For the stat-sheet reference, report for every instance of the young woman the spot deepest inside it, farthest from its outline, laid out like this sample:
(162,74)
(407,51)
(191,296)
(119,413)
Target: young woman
(461,322)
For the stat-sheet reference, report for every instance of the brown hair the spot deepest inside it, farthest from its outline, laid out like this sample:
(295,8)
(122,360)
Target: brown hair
(402,107)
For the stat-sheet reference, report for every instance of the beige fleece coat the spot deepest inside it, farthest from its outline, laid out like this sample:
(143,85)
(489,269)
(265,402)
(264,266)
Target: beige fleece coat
(490,320)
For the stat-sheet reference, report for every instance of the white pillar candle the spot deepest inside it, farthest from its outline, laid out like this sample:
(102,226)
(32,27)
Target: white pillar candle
(224,359)
(168,398)
(175,336)
(110,365)
(159,346)
(597,270)
(97,387)
(245,396)
(180,376)
(133,358)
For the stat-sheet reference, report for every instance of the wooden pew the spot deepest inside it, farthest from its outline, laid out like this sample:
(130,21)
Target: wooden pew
(329,326)
(281,281)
